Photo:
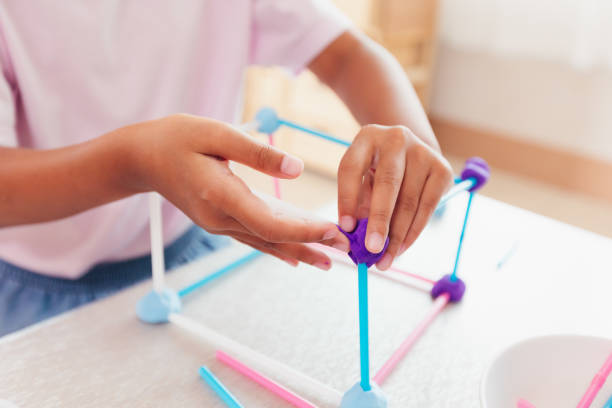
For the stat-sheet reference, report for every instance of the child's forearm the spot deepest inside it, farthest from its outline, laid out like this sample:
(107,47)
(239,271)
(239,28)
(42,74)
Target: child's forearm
(372,84)
(44,185)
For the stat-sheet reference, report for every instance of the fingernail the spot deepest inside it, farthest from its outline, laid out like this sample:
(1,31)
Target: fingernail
(322,265)
(330,234)
(375,242)
(347,223)
(291,166)
(403,248)
(291,262)
(341,246)
(385,262)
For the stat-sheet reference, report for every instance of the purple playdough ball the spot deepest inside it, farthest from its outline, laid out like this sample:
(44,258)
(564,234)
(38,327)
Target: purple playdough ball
(359,253)
(476,168)
(455,289)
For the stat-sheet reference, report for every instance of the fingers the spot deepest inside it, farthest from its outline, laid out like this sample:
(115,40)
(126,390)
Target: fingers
(436,185)
(387,182)
(355,163)
(276,225)
(405,209)
(287,252)
(232,144)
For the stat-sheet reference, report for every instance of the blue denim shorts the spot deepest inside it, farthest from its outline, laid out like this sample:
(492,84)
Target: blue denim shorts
(27,297)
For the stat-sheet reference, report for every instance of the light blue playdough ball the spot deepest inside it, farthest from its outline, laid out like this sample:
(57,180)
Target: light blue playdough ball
(356,397)
(155,307)
(267,120)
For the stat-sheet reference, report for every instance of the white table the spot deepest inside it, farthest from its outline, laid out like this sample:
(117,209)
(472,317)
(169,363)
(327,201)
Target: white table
(558,281)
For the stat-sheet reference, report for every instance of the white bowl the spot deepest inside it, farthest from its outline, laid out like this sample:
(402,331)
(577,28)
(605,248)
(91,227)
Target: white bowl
(550,371)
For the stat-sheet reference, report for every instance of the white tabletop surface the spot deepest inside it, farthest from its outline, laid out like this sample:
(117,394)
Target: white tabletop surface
(557,281)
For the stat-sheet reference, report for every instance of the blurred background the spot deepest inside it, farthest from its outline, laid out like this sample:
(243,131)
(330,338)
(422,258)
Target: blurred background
(525,84)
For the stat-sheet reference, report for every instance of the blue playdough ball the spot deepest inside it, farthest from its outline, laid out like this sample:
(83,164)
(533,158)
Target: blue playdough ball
(267,120)
(156,307)
(356,397)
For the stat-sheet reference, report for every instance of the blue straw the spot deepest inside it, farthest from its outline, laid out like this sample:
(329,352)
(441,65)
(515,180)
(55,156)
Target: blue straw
(313,132)
(364,348)
(218,387)
(453,277)
(241,261)
(608,404)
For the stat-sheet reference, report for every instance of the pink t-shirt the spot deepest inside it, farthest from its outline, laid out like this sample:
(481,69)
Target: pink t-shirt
(73,70)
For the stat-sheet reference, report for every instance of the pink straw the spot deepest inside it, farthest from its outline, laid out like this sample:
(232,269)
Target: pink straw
(328,249)
(596,384)
(523,403)
(438,305)
(277,188)
(265,382)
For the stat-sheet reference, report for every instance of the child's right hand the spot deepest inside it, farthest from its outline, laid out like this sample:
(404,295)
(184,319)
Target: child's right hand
(185,158)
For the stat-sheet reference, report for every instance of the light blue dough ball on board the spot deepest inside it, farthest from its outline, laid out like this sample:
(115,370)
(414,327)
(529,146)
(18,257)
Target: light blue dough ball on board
(356,397)
(155,307)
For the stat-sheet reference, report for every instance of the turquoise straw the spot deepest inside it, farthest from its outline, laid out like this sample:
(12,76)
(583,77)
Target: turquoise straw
(364,348)
(314,132)
(608,404)
(239,262)
(218,387)
(453,276)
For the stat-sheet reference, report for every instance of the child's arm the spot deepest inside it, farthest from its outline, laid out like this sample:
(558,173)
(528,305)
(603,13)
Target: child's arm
(178,156)
(411,174)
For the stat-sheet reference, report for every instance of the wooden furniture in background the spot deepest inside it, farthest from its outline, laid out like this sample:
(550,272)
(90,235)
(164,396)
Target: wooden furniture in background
(405,27)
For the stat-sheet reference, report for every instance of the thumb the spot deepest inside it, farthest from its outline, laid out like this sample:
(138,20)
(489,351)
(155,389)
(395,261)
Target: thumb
(233,144)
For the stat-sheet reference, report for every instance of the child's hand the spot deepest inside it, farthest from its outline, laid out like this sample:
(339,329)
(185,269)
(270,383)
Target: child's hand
(185,158)
(391,176)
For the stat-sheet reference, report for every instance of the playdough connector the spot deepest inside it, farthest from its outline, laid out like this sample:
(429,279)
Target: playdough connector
(155,307)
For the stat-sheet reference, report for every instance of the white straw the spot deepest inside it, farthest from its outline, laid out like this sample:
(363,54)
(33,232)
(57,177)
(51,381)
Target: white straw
(157,242)
(272,368)
(456,189)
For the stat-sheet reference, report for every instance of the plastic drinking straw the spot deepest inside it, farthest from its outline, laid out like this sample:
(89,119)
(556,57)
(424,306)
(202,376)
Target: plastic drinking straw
(313,132)
(364,348)
(218,387)
(341,257)
(438,305)
(157,242)
(459,187)
(523,403)
(409,279)
(236,264)
(596,384)
(270,367)
(277,188)
(507,255)
(265,382)
(608,403)
(453,276)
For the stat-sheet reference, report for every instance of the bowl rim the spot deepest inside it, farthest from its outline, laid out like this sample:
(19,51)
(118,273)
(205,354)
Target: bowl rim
(519,343)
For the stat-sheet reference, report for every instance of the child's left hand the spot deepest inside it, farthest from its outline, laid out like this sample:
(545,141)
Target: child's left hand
(391,176)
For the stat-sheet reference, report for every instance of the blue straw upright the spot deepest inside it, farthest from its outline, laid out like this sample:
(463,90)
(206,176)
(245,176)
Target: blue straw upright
(364,348)
(216,385)
(453,276)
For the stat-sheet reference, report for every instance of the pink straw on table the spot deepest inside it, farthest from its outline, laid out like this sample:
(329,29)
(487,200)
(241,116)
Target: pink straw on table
(328,249)
(523,403)
(438,305)
(265,382)
(596,384)
(277,188)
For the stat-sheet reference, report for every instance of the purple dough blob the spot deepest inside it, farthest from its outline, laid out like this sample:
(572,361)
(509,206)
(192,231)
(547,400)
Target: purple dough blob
(476,168)
(455,289)
(359,253)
